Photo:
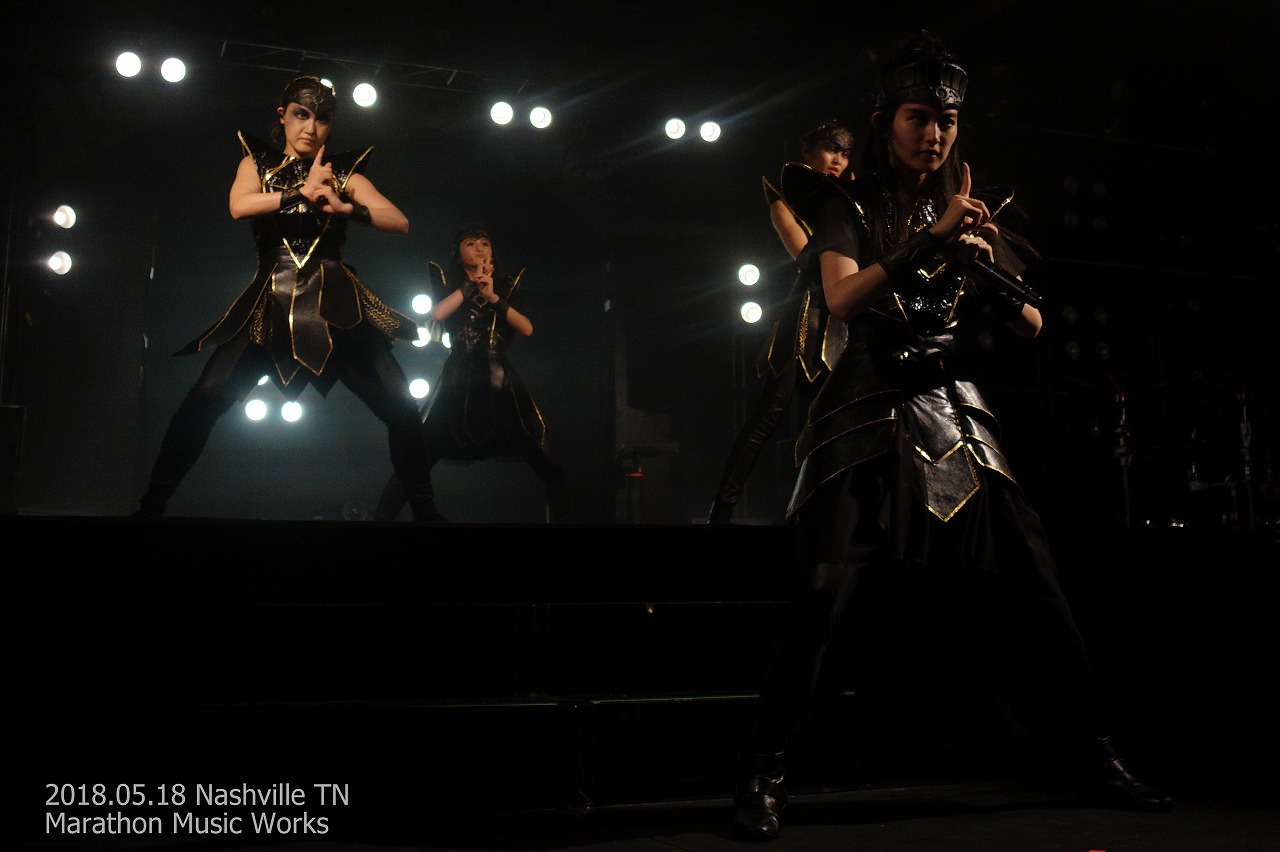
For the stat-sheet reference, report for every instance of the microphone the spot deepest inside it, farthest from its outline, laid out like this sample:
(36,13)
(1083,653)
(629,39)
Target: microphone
(1005,280)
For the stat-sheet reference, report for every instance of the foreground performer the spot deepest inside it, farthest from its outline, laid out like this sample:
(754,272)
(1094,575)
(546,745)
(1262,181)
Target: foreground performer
(481,408)
(805,340)
(305,318)
(901,467)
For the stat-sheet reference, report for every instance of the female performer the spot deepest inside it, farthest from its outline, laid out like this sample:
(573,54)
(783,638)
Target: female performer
(805,340)
(901,467)
(305,318)
(481,407)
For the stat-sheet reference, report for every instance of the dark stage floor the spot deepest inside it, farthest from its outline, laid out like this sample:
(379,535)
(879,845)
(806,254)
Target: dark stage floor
(957,817)
(537,688)
(974,816)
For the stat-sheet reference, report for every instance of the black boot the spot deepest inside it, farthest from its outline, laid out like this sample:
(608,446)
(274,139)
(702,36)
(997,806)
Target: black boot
(759,798)
(154,503)
(422,502)
(721,511)
(1106,782)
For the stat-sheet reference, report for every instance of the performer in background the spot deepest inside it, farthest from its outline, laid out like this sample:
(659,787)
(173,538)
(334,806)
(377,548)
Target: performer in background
(480,407)
(805,339)
(305,318)
(901,467)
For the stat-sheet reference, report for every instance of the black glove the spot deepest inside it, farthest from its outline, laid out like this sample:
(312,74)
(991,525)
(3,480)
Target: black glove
(904,261)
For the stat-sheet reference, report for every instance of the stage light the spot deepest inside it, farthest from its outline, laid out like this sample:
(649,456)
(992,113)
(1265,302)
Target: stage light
(419,388)
(446,341)
(262,381)
(60,262)
(173,70)
(501,113)
(540,117)
(64,216)
(675,128)
(255,409)
(748,274)
(422,304)
(128,64)
(751,312)
(423,338)
(291,411)
(710,131)
(364,94)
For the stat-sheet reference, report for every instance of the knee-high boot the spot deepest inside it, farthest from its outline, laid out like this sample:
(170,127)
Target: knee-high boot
(422,502)
(156,500)
(1103,780)
(759,797)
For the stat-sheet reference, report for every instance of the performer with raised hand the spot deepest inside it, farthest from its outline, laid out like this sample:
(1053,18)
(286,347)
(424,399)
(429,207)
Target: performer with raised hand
(306,318)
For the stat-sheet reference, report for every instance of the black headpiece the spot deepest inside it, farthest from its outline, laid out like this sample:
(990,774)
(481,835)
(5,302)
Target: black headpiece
(312,93)
(924,71)
(828,131)
(468,231)
(925,81)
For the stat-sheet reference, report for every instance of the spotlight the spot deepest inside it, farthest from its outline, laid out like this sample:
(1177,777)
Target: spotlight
(675,128)
(291,411)
(423,338)
(751,312)
(710,131)
(255,409)
(419,388)
(60,262)
(128,64)
(540,117)
(364,94)
(501,113)
(64,216)
(748,274)
(446,341)
(173,70)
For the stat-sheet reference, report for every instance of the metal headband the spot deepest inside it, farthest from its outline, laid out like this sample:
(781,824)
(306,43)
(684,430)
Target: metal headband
(927,81)
(829,132)
(311,93)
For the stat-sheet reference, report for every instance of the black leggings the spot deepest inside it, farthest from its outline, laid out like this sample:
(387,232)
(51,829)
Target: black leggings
(360,360)
(772,402)
(833,566)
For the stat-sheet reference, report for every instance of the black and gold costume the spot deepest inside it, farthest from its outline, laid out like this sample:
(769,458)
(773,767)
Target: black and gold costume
(901,474)
(305,319)
(802,346)
(900,464)
(900,469)
(480,406)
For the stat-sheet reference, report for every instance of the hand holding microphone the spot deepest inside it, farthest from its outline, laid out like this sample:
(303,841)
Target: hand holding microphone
(975,221)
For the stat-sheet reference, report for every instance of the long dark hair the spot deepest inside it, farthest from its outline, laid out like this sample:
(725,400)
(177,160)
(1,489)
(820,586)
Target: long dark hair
(881,176)
(921,66)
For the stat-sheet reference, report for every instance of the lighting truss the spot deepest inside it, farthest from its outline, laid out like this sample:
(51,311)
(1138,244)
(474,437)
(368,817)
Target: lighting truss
(301,61)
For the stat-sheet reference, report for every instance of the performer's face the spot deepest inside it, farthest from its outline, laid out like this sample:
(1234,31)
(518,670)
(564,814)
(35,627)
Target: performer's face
(304,132)
(475,251)
(921,136)
(827,157)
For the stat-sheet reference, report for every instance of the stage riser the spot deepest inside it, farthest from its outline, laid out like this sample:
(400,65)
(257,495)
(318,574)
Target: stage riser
(529,667)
